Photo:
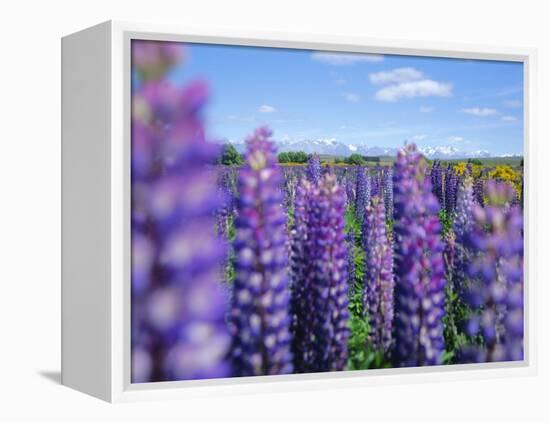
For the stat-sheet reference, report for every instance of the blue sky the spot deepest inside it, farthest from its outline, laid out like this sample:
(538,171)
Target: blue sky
(371,100)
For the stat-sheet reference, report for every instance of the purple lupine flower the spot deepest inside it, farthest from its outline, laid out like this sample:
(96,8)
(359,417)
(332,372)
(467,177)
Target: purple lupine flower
(379,283)
(478,190)
(419,269)
(313,169)
(259,315)
(340,173)
(225,212)
(178,315)
(227,181)
(301,295)
(375,184)
(437,182)
(387,192)
(362,193)
(462,226)
(290,181)
(451,185)
(320,280)
(495,279)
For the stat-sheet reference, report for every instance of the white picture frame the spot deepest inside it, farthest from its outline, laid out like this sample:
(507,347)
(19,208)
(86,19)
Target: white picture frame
(96,209)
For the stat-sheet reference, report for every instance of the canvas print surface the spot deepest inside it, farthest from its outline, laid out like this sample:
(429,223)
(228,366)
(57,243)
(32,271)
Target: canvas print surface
(300,211)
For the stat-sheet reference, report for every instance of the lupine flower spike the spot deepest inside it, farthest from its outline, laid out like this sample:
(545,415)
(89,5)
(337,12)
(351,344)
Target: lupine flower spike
(437,182)
(379,284)
(313,169)
(178,307)
(260,321)
(419,267)
(388,192)
(451,185)
(362,193)
(320,280)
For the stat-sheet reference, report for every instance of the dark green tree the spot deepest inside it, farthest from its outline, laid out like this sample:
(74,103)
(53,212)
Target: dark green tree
(293,157)
(283,158)
(230,156)
(475,162)
(355,159)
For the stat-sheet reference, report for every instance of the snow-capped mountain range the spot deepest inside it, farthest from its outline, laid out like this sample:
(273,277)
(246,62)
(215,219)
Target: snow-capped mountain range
(336,148)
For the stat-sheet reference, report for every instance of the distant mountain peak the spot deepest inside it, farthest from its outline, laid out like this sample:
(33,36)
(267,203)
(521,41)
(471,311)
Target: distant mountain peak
(333,147)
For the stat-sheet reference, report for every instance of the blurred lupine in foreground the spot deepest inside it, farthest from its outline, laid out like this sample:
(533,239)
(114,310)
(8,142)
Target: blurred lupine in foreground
(419,268)
(152,60)
(178,326)
(437,182)
(320,280)
(362,193)
(451,185)
(388,192)
(313,169)
(259,316)
(495,278)
(379,284)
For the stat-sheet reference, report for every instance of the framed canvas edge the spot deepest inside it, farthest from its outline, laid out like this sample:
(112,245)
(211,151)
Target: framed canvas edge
(121,389)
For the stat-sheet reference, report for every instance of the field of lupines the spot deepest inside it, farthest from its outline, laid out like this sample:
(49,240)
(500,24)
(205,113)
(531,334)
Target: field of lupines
(263,269)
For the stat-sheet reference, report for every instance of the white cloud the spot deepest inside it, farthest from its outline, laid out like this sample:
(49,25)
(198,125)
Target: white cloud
(422,88)
(508,118)
(408,82)
(352,97)
(426,109)
(396,76)
(345,59)
(340,81)
(480,111)
(265,108)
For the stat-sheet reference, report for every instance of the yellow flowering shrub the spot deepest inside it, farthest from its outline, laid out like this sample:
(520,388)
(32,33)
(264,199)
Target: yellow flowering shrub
(507,174)
(460,168)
